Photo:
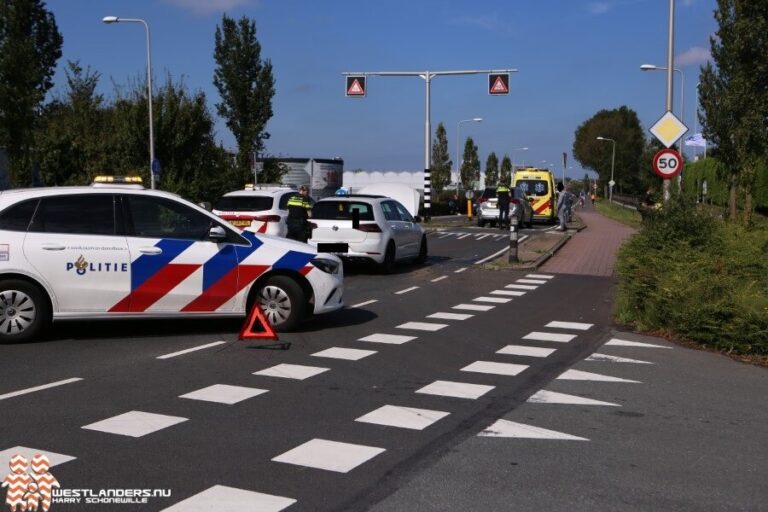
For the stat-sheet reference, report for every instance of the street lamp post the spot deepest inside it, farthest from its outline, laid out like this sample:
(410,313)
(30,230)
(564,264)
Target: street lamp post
(512,158)
(652,67)
(613,162)
(458,139)
(115,19)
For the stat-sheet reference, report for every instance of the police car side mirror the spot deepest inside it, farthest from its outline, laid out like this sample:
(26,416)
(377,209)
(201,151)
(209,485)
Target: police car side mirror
(217,233)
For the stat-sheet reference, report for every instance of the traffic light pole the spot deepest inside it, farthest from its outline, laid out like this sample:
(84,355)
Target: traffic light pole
(427,76)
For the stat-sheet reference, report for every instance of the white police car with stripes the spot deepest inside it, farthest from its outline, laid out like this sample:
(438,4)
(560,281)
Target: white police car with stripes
(124,252)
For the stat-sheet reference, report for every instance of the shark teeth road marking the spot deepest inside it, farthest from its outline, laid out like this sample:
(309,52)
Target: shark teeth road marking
(580,375)
(505,428)
(496,300)
(550,397)
(549,336)
(450,316)
(402,417)
(349,354)
(539,276)
(507,293)
(531,281)
(231,499)
(569,325)
(521,287)
(291,371)
(455,389)
(521,350)
(329,455)
(473,307)
(613,359)
(495,368)
(624,343)
(392,339)
(54,458)
(135,423)
(422,326)
(224,394)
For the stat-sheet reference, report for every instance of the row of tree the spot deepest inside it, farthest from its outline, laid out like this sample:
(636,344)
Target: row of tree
(78,133)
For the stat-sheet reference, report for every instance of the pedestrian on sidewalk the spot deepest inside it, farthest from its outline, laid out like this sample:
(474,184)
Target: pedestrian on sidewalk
(564,205)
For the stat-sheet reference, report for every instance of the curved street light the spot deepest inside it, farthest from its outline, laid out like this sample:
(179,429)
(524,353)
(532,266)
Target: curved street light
(115,19)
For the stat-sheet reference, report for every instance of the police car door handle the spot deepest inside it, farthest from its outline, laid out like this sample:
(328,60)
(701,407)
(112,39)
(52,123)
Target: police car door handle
(152,251)
(53,247)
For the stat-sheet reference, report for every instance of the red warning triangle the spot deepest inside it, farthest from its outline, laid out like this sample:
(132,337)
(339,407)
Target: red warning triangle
(499,87)
(256,326)
(356,88)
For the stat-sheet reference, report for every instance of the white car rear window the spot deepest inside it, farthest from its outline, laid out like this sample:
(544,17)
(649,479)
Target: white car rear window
(244,203)
(341,210)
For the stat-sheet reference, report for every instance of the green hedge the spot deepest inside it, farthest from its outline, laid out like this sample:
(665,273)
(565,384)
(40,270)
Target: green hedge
(698,277)
(717,187)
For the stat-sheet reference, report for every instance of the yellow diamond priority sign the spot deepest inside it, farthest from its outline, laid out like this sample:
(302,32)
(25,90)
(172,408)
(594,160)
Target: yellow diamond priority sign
(668,129)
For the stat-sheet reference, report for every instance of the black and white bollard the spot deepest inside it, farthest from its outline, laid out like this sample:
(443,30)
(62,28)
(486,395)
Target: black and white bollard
(513,240)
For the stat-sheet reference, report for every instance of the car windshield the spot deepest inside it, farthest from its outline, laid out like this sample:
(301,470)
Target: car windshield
(244,203)
(533,187)
(341,210)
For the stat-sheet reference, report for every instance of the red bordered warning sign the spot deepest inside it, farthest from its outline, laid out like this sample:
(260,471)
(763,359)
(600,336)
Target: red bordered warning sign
(498,83)
(256,326)
(356,86)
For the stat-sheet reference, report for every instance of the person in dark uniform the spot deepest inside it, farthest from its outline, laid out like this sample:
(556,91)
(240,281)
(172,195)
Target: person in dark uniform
(502,199)
(298,216)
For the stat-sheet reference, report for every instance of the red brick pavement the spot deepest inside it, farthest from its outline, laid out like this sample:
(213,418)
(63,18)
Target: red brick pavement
(592,251)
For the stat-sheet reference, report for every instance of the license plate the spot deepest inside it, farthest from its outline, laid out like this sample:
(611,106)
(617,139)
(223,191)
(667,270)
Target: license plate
(241,223)
(339,247)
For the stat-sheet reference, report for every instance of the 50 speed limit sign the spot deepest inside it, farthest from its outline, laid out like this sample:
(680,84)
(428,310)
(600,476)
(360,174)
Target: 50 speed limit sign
(667,163)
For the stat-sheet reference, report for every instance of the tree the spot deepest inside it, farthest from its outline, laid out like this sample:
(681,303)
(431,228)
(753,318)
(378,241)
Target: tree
(491,170)
(505,175)
(734,94)
(246,86)
(623,126)
(470,166)
(440,173)
(30,46)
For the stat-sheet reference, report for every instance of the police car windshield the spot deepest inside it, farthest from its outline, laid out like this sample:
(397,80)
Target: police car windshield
(341,210)
(244,203)
(533,187)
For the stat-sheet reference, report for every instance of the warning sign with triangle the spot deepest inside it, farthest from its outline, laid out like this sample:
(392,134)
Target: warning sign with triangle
(498,83)
(256,326)
(356,86)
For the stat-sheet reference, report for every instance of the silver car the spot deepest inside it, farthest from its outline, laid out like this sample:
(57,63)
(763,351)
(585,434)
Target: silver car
(368,227)
(519,208)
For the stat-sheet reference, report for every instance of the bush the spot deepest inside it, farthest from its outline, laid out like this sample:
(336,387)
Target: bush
(698,277)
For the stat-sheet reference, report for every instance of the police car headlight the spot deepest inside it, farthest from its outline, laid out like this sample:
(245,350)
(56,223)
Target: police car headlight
(327,266)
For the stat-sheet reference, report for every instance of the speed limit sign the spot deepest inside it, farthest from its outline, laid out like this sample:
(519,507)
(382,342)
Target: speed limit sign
(667,163)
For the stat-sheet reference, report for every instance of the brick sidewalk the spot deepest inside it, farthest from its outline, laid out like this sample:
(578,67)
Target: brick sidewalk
(592,251)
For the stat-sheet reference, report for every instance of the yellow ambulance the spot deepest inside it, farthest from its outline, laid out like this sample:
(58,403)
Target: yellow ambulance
(538,185)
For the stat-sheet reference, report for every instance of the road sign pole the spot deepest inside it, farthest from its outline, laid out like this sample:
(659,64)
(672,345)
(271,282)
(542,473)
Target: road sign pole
(512,240)
(670,79)
(427,155)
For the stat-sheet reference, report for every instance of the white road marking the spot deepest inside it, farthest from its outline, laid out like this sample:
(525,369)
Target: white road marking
(445,235)
(462,269)
(39,388)
(392,339)
(507,293)
(504,428)
(481,236)
(455,389)
(230,499)
(549,336)
(624,343)
(450,316)
(224,394)
(135,423)
(473,307)
(364,303)
(569,325)
(291,371)
(521,350)
(539,276)
(531,281)
(550,397)
(495,368)
(596,377)
(495,300)
(329,455)
(422,326)
(439,279)
(521,287)
(402,417)
(465,235)
(349,354)
(407,290)
(54,458)
(499,252)
(193,349)
(605,358)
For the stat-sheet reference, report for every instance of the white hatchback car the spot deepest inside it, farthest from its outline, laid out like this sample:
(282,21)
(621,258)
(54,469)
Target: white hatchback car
(260,209)
(368,227)
(111,252)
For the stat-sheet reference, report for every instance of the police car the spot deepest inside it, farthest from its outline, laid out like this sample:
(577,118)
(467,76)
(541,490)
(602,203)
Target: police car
(124,251)
(259,208)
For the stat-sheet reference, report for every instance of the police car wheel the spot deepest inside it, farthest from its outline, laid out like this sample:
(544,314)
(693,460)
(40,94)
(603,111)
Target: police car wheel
(24,312)
(388,265)
(282,301)
(422,257)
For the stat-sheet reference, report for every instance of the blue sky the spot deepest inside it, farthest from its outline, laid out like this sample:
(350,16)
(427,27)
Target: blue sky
(574,57)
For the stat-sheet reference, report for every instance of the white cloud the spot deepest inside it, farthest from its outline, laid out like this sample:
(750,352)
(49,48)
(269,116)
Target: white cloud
(600,7)
(693,56)
(489,22)
(210,6)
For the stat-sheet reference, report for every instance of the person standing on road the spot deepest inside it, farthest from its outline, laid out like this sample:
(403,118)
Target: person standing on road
(298,216)
(502,200)
(564,204)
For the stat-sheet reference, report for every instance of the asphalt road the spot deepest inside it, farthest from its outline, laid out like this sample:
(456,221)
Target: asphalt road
(370,425)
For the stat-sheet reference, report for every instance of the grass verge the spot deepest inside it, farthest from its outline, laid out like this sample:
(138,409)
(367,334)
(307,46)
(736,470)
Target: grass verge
(619,213)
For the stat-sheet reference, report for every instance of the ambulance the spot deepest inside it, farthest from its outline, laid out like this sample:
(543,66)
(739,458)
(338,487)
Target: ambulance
(538,185)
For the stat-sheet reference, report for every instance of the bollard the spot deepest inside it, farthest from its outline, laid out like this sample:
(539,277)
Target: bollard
(512,240)
(469,209)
